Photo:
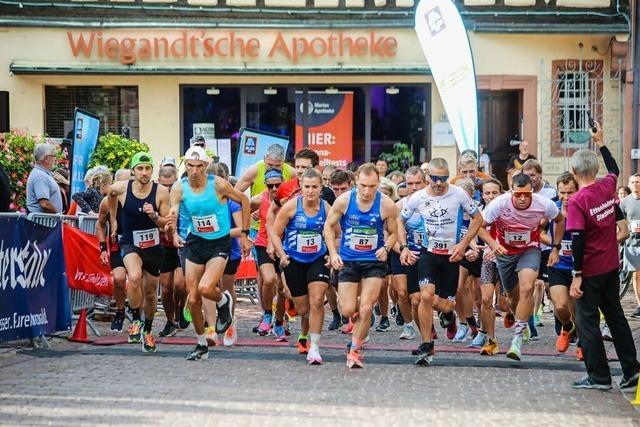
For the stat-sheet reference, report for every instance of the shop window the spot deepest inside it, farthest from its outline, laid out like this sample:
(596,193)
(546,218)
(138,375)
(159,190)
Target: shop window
(117,108)
(271,109)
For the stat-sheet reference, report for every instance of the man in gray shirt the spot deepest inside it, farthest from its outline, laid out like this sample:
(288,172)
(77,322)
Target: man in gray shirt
(43,192)
(630,206)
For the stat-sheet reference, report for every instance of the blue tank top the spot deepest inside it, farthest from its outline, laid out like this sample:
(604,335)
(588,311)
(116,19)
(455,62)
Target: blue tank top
(416,234)
(362,232)
(207,216)
(236,253)
(183,218)
(137,228)
(566,253)
(303,240)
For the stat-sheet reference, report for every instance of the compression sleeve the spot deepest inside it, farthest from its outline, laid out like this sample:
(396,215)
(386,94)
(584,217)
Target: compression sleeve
(577,239)
(609,161)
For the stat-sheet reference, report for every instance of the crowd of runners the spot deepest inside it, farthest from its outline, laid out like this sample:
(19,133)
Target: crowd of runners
(418,246)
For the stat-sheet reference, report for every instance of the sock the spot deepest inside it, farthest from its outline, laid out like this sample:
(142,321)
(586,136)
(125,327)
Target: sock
(223,300)
(269,312)
(463,323)
(302,338)
(278,322)
(147,325)
(335,312)
(483,332)
(135,313)
(520,327)
(315,340)
(202,340)
(472,321)
(356,343)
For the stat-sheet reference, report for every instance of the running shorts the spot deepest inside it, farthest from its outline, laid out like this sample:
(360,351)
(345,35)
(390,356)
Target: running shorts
(170,261)
(437,270)
(200,251)
(151,257)
(232,266)
(263,258)
(559,276)
(354,271)
(510,265)
(298,275)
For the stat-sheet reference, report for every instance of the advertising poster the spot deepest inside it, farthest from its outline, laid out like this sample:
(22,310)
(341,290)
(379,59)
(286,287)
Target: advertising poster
(329,126)
(253,145)
(85,137)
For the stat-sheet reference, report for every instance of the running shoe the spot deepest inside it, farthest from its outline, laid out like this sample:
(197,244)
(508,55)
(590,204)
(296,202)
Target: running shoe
(588,384)
(490,348)
(509,320)
(562,342)
(211,335)
(302,344)
(400,318)
(148,343)
(225,314)
(181,321)
(384,325)
(335,323)
(186,314)
(444,323)
(579,355)
(452,328)
(313,357)
(280,334)
(425,354)
(135,332)
(201,352)
(526,334)
(256,329)
(376,309)
(636,313)
(536,320)
(473,331)
(265,324)
(373,320)
(118,321)
(408,332)
(461,335)
(515,352)
(354,359)
(606,333)
(629,382)
(479,340)
(347,328)
(231,336)
(169,330)
(394,311)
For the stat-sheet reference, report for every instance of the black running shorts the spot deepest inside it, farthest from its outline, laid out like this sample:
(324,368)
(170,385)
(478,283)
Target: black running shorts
(200,251)
(298,275)
(437,270)
(151,257)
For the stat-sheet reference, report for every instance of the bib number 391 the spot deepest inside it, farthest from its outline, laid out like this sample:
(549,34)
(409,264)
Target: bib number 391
(146,238)
(440,247)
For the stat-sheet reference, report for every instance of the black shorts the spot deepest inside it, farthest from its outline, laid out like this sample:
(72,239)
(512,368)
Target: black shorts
(232,266)
(182,257)
(411,271)
(474,267)
(389,268)
(151,257)
(200,251)
(354,271)
(439,271)
(333,278)
(115,260)
(263,258)
(559,276)
(543,272)
(170,261)
(298,275)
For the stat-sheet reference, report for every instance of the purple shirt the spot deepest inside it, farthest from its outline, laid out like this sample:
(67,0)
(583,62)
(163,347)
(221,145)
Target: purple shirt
(592,210)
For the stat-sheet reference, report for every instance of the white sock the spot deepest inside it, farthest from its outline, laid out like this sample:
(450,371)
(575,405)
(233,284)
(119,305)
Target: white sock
(222,301)
(202,340)
(315,340)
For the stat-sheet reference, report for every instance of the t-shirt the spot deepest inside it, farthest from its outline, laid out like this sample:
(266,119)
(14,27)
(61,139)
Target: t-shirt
(515,162)
(41,185)
(518,229)
(631,209)
(592,211)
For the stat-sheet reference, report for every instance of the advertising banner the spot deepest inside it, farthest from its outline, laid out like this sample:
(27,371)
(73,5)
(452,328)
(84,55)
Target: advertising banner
(253,146)
(82,260)
(85,137)
(446,47)
(329,126)
(34,298)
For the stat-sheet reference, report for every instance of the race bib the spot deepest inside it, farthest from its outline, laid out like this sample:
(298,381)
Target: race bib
(146,238)
(517,238)
(635,226)
(308,243)
(440,246)
(363,241)
(565,248)
(418,237)
(205,224)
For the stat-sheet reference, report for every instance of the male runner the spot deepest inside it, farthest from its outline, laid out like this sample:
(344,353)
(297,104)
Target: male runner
(145,206)
(363,214)
(631,208)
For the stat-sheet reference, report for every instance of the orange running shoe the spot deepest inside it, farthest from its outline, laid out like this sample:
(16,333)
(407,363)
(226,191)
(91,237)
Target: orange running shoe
(354,359)
(302,345)
(579,355)
(348,328)
(563,340)
(148,343)
(509,320)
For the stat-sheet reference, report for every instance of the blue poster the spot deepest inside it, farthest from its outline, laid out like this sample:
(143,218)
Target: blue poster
(34,297)
(253,145)
(85,137)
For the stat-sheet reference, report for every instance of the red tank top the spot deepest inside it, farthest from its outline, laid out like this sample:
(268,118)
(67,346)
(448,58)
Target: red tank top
(262,239)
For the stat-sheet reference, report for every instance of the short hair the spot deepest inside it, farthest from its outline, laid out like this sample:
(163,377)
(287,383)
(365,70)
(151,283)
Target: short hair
(42,150)
(625,188)
(307,153)
(585,163)
(122,171)
(635,175)
(232,180)
(492,181)
(469,151)
(438,163)
(311,173)
(387,184)
(382,159)
(532,164)
(275,151)
(414,170)
(394,174)
(466,159)
(467,185)
(340,177)
(168,171)
(521,180)
(100,177)
(352,166)
(368,169)
(88,177)
(566,178)
(217,169)
(329,168)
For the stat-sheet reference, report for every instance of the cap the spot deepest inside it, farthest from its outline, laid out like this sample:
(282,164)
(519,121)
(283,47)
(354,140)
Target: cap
(198,141)
(168,161)
(197,153)
(141,158)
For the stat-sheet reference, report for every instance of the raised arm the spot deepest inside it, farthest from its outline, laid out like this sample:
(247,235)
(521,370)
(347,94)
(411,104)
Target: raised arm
(247,178)
(609,161)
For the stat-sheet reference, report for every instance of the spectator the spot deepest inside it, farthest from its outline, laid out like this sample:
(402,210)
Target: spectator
(517,160)
(353,167)
(382,166)
(484,160)
(397,177)
(424,167)
(326,175)
(622,192)
(389,188)
(5,190)
(89,200)
(43,192)
(61,175)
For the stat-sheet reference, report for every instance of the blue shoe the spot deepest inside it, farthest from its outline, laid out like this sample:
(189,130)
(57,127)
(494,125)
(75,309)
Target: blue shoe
(479,341)
(280,333)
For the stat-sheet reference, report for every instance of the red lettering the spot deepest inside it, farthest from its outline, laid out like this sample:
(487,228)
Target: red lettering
(81,45)
(253,48)
(111,46)
(280,45)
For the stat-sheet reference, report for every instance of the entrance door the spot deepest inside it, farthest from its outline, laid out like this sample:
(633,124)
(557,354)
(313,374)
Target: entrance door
(499,124)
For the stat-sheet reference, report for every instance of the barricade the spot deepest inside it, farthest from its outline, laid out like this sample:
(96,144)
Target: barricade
(246,284)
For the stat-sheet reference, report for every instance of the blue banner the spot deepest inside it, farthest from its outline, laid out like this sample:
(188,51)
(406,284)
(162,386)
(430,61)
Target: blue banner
(34,297)
(253,146)
(85,137)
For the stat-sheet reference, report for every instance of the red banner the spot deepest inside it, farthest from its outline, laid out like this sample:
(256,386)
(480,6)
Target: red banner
(82,260)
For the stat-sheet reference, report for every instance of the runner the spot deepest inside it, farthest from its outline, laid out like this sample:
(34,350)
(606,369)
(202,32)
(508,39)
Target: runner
(631,208)
(110,253)
(363,214)
(441,206)
(204,198)
(145,206)
(516,218)
(303,256)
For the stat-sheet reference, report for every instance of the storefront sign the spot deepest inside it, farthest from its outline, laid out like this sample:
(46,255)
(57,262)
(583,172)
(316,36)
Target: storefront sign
(329,125)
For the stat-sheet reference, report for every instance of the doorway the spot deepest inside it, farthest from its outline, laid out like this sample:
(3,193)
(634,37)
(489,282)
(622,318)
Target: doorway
(499,124)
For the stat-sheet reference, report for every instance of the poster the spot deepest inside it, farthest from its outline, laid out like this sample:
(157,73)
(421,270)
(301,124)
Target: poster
(85,137)
(222,148)
(206,130)
(329,125)
(253,145)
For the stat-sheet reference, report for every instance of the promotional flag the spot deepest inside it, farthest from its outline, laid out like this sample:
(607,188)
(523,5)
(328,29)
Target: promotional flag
(329,126)
(253,146)
(445,44)
(85,271)
(85,137)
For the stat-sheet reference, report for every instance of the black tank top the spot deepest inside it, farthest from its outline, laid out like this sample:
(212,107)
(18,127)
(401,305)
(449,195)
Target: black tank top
(133,219)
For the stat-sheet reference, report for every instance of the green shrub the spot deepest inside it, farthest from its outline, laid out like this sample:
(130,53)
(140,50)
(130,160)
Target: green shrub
(115,151)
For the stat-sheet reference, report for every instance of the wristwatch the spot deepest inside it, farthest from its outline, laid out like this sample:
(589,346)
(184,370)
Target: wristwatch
(245,232)
(402,247)
(387,249)
(576,273)
(557,246)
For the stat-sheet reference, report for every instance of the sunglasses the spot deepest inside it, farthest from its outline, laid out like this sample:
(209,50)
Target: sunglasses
(441,178)
(520,194)
(270,186)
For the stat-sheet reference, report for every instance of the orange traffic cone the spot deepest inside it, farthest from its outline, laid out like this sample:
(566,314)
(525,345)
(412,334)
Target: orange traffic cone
(80,332)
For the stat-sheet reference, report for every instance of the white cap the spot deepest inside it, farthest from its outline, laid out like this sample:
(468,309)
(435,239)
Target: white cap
(197,153)
(168,161)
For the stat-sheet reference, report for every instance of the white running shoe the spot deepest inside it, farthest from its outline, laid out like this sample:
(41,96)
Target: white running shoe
(230,335)
(461,335)
(408,332)
(313,356)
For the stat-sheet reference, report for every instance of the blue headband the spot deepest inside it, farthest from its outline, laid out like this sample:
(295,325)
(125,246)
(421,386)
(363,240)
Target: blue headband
(272,173)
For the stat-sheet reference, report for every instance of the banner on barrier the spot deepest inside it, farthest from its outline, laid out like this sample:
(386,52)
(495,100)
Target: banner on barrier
(253,146)
(85,137)
(34,297)
(85,271)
